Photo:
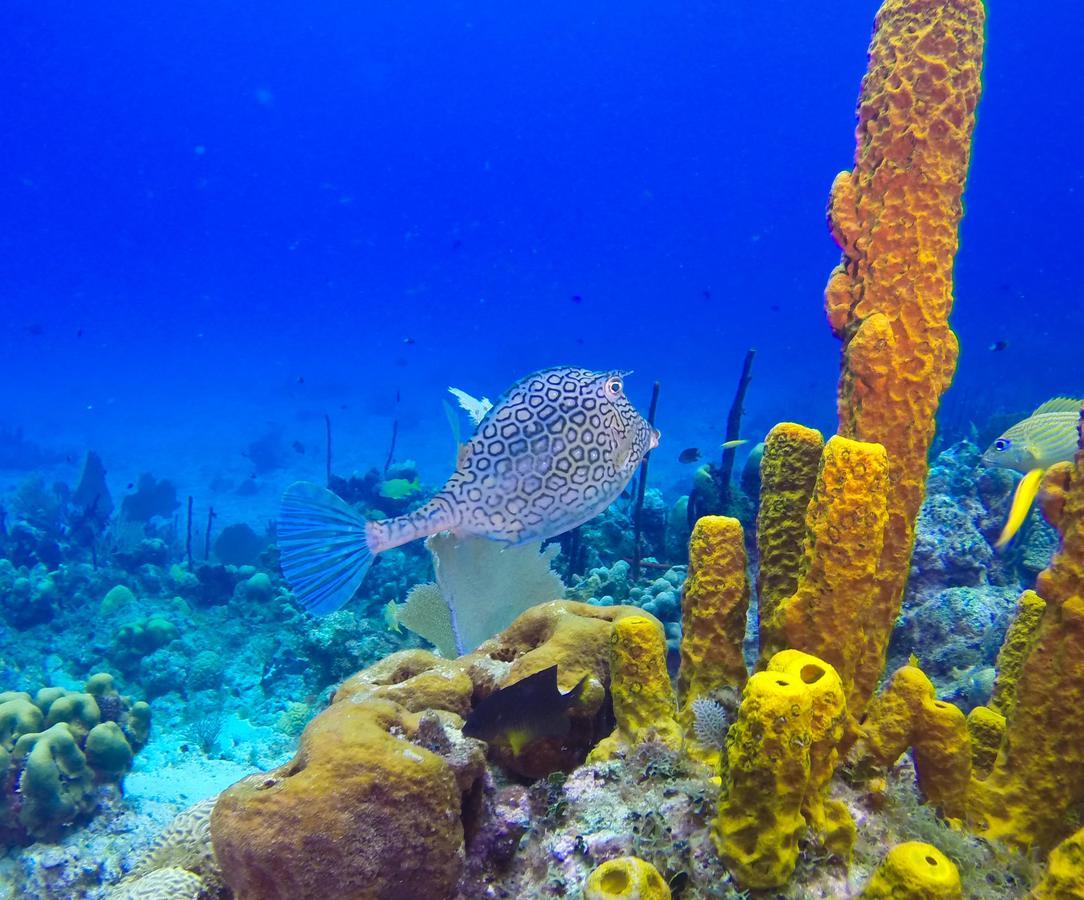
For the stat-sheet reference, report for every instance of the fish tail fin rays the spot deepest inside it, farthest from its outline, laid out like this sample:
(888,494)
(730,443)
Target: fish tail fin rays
(323,548)
(1024,496)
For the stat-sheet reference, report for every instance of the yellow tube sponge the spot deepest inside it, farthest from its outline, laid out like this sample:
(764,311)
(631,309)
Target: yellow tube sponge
(1014,650)
(1037,781)
(714,606)
(626,878)
(788,472)
(765,775)
(906,714)
(1064,877)
(828,614)
(643,697)
(1064,577)
(895,217)
(1036,787)
(914,871)
(829,819)
(986,727)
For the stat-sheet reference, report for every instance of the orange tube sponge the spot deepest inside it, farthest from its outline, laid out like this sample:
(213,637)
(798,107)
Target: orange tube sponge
(714,606)
(829,612)
(765,777)
(643,697)
(788,472)
(906,714)
(914,871)
(895,216)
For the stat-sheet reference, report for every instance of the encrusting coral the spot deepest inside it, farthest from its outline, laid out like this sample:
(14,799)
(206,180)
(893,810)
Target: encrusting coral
(56,749)
(895,216)
(355,781)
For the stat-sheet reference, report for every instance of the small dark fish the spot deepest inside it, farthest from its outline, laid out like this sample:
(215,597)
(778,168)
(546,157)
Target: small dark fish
(300,379)
(299,448)
(998,346)
(689,455)
(408,340)
(577,299)
(774,307)
(524,712)
(79,333)
(35,329)
(131,484)
(456,245)
(706,294)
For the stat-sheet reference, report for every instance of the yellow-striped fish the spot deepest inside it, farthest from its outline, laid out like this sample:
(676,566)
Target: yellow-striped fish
(1049,435)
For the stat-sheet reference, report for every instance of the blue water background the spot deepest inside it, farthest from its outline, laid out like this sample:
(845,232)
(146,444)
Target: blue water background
(219,215)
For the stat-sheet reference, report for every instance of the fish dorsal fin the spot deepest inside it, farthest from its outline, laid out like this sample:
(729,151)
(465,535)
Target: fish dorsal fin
(1059,404)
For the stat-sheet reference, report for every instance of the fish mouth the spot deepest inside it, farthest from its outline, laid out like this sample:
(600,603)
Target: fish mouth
(653,441)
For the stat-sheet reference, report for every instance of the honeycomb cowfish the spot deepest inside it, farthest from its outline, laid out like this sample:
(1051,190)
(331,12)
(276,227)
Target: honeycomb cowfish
(1049,435)
(556,450)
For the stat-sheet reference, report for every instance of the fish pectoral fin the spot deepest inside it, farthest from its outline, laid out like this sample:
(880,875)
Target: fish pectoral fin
(1024,496)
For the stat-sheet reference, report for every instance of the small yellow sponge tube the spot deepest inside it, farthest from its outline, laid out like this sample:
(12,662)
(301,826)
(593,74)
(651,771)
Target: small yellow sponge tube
(714,607)
(788,472)
(626,878)
(643,697)
(906,714)
(914,871)
(765,776)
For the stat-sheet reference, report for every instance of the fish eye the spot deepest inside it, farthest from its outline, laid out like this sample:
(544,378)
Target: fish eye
(613,387)
(1002,444)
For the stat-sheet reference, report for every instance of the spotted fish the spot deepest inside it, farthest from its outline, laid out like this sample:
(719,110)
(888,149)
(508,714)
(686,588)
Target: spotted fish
(554,452)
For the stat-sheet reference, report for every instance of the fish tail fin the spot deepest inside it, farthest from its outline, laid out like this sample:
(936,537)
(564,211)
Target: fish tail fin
(1024,496)
(323,547)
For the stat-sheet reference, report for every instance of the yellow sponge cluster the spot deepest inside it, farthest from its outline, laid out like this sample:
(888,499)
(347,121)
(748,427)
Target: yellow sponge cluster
(778,761)
(914,871)
(906,714)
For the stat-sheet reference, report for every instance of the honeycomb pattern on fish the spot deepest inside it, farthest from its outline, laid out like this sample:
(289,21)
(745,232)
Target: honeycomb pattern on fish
(553,453)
